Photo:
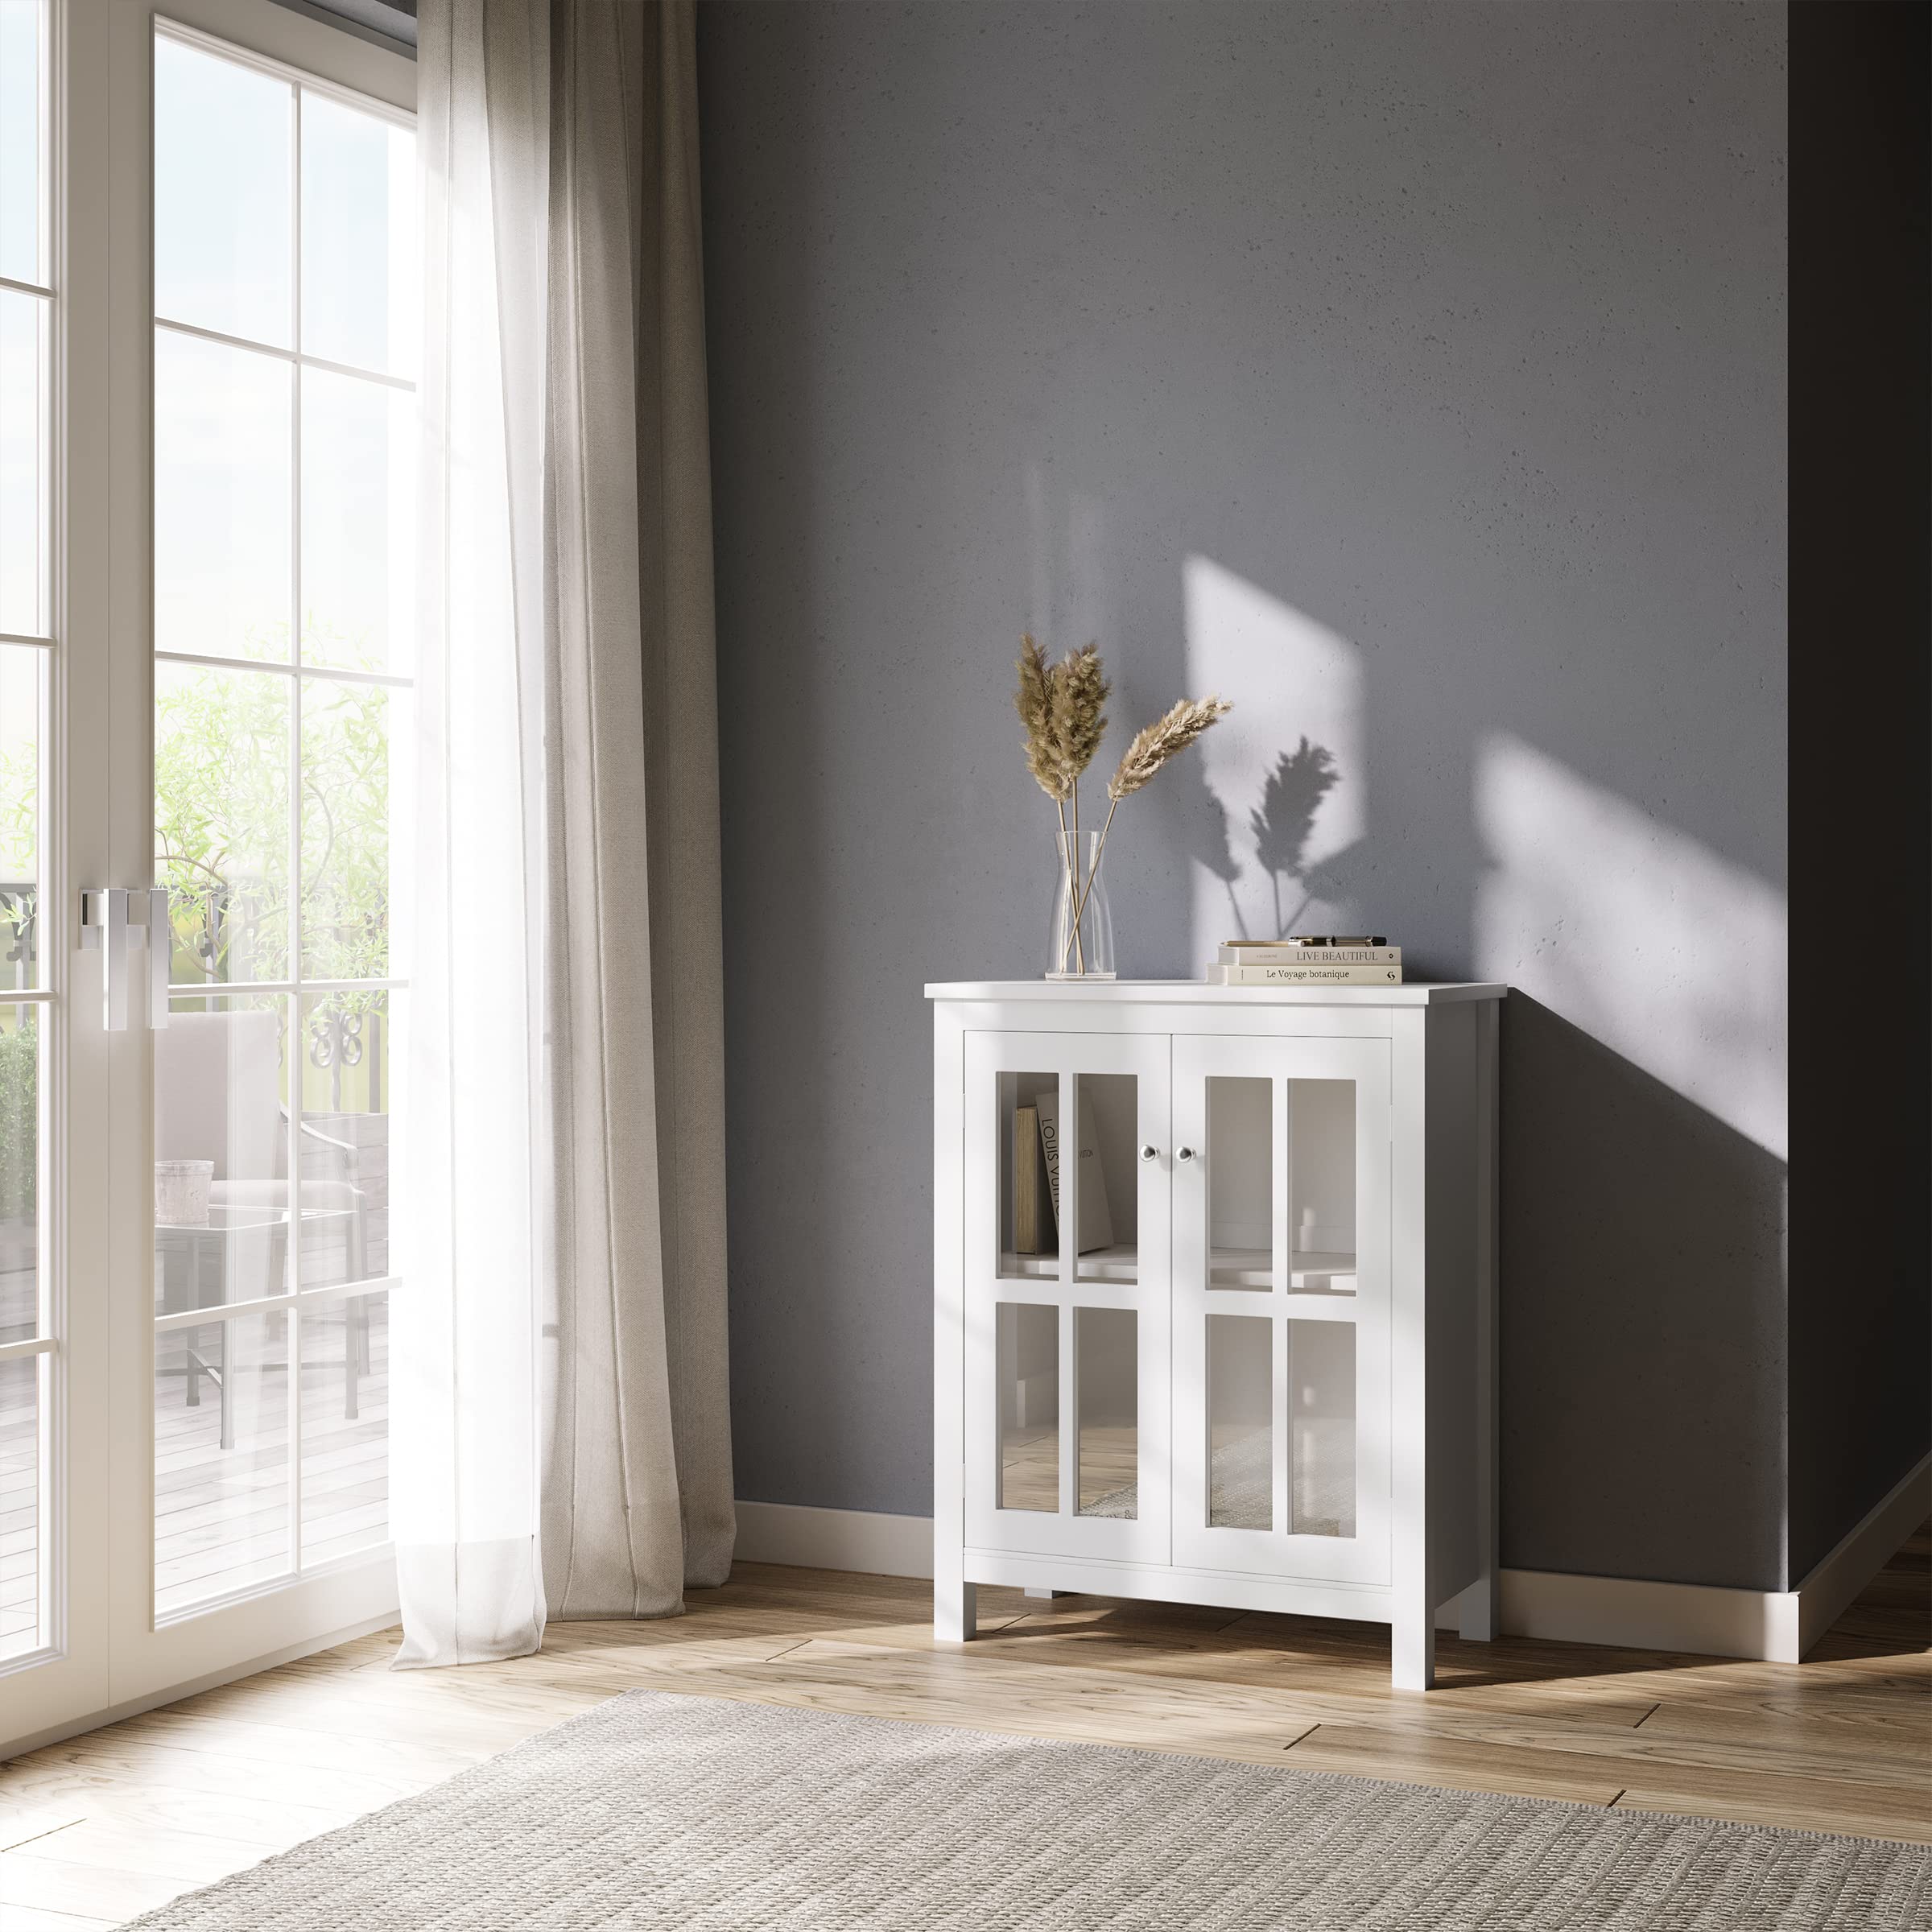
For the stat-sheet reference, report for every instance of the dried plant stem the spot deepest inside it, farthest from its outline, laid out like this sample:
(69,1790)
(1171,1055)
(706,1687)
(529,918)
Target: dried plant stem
(1100,853)
(1067,863)
(1075,897)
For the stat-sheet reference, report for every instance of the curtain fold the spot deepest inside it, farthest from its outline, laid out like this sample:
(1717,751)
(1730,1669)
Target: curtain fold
(566,1232)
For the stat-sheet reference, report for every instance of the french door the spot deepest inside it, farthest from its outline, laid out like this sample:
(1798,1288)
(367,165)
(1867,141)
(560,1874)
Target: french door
(207,323)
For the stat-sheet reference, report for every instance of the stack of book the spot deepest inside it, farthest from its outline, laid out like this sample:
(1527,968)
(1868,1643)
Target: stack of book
(1333,959)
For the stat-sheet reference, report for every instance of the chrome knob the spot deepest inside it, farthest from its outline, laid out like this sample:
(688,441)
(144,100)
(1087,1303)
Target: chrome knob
(1150,1152)
(1184,1154)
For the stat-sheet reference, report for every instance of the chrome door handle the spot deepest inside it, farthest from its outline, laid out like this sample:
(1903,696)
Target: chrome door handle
(1150,1152)
(112,919)
(1184,1154)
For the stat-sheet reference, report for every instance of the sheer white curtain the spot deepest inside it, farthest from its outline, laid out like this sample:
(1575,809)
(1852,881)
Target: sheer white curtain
(562,1438)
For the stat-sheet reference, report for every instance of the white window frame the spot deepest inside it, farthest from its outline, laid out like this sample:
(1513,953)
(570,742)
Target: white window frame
(106,1655)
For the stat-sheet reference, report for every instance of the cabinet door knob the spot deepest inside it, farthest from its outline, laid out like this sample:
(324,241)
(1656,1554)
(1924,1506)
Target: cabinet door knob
(1150,1152)
(1184,1154)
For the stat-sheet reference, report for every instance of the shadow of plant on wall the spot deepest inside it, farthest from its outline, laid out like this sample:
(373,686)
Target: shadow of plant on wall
(1284,818)
(1204,827)
(1278,829)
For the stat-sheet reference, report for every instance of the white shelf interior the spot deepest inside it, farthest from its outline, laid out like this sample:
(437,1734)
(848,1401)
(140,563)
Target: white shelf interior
(1318,1273)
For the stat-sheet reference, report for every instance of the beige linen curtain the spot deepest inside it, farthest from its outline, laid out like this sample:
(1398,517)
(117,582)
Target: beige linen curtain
(569,687)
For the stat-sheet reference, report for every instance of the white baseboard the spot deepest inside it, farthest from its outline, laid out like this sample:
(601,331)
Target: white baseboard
(835,1539)
(1776,1626)
(1838,1577)
(1630,1613)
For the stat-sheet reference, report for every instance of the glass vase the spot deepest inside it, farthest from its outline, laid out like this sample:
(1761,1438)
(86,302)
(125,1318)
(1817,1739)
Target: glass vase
(1079,943)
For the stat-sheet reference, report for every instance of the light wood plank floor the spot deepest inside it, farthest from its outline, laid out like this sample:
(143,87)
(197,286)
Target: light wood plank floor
(96,1830)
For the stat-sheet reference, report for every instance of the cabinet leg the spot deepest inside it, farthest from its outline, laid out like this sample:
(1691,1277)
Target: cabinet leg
(954,1609)
(1476,1610)
(1412,1649)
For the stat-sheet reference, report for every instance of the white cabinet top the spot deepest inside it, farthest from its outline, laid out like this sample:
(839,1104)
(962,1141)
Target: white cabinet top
(1197,992)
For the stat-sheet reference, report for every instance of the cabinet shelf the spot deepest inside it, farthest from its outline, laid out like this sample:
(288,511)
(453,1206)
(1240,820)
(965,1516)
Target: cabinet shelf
(1312,1272)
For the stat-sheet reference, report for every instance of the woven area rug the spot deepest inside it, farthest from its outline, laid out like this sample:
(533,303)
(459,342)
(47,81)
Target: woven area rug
(659,1811)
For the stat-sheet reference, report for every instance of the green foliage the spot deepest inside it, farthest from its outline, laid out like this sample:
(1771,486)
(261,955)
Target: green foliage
(222,824)
(19,1117)
(20,835)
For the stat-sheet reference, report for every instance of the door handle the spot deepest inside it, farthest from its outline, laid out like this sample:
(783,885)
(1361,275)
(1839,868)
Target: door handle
(1184,1154)
(112,920)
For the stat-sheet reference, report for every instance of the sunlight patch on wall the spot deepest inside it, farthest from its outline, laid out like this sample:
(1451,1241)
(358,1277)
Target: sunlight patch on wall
(1284,770)
(1636,932)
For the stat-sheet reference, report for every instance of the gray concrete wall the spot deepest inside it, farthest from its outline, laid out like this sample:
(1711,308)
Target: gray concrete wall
(1415,376)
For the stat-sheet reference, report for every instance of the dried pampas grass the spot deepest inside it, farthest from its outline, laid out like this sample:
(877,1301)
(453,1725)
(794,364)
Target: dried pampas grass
(1062,709)
(1167,737)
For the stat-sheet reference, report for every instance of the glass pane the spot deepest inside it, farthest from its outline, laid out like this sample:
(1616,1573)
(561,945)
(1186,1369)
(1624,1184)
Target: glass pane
(358,522)
(1028,1338)
(345,794)
(221,1458)
(21,672)
(347,1057)
(1109,1183)
(23,416)
(344,1426)
(1240,1183)
(1107,1400)
(223,246)
(1321,1186)
(21,40)
(20,1086)
(20,1412)
(1321,1428)
(1029,1240)
(223,455)
(221,758)
(220,1153)
(359,270)
(1240,1422)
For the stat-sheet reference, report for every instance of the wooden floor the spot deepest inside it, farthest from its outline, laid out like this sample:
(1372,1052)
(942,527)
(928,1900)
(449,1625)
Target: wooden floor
(96,1830)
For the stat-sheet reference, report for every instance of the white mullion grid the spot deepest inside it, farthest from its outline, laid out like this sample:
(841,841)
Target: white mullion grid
(292,990)
(14,637)
(33,1345)
(296,355)
(337,673)
(223,989)
(26,288)
(292,1246)
(50,1247)
(260,1304)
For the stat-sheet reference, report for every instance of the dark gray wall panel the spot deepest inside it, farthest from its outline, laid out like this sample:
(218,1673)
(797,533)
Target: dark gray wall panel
(1416,375)
(1861,767)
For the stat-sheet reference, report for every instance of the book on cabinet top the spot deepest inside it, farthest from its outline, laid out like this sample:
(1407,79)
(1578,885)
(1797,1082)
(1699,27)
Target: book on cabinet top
(1293,973)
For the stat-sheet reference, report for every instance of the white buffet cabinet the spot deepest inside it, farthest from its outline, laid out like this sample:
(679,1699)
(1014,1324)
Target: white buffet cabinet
(1271,1385)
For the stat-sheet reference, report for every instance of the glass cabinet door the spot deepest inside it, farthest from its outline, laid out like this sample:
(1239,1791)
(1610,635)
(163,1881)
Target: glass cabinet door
(1066,1268)
(1281,1306)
